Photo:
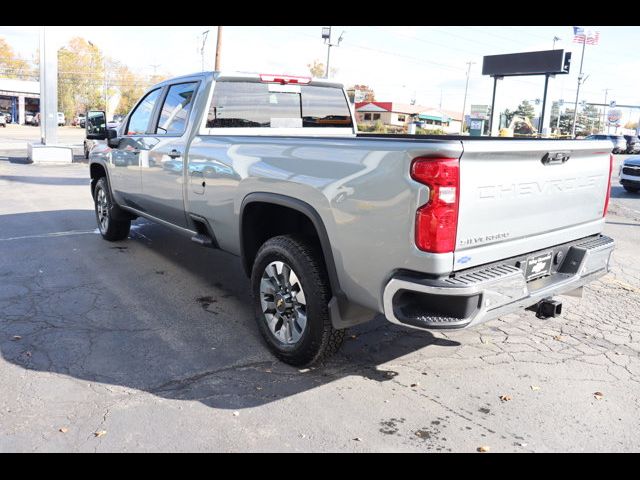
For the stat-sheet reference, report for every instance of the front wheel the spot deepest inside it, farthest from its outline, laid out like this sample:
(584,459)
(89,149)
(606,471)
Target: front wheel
(291,293)
(110,228)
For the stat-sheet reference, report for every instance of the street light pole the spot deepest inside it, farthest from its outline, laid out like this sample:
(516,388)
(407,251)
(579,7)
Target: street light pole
(555,39)
(204,40)
(464,104)
(604,109)
(326,35)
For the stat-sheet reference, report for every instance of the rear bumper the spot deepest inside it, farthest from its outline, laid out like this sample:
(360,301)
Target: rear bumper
(484,293)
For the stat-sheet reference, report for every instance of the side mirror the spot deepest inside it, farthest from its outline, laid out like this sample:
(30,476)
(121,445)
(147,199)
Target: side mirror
(112,138)
(96,125)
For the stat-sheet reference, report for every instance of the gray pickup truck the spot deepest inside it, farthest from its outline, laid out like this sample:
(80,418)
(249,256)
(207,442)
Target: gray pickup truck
(333,226)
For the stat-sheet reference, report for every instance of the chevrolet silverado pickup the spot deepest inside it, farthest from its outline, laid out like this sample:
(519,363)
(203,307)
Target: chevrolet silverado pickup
(334,226)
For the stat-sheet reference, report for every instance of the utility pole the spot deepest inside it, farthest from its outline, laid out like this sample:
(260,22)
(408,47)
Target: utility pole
(218,49)
(604,109)
(464,104)
(204,40)
(575,111)
(326,35)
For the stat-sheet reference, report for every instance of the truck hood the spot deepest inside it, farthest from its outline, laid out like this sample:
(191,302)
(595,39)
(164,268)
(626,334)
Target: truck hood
(633,161)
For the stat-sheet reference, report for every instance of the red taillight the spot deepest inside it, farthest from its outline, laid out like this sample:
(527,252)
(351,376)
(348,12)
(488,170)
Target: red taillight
(606,200)
(284,79)
(437,220)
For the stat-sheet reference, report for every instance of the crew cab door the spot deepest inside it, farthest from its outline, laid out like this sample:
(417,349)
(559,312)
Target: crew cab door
(132,149)
(163,169)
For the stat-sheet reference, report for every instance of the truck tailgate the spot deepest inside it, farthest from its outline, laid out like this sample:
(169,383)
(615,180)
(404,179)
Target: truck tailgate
(521,195)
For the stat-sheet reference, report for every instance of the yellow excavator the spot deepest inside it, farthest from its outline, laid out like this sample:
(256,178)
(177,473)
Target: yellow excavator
(522,125)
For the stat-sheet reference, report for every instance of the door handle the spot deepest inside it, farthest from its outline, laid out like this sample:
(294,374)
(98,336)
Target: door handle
(135,152)
(175,154)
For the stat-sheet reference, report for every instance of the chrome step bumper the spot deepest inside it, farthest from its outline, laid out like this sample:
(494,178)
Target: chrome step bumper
(486,293)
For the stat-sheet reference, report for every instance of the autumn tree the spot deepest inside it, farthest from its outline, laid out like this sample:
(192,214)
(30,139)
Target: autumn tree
(82,83)
(368,95)
(12,65)
(316,68)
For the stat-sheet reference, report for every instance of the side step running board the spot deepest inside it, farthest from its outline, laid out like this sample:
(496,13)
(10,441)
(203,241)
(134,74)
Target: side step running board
(202,239)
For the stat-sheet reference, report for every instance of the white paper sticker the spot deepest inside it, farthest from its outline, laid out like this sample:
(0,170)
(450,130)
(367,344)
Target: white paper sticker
(286,122)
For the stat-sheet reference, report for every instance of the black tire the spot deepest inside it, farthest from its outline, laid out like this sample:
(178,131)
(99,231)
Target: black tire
(112,230)
(319,339)
(631,189)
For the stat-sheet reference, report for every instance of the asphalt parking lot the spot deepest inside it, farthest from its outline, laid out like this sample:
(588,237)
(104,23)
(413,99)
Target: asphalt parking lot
(150,345)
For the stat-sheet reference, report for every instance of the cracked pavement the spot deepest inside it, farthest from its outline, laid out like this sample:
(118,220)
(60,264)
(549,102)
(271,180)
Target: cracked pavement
(152,341)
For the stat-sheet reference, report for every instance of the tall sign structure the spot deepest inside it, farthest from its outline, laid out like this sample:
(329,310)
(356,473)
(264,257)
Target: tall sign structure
(546,62)
(48,89)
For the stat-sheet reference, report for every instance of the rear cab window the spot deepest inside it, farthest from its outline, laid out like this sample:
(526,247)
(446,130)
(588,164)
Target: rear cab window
(251,105)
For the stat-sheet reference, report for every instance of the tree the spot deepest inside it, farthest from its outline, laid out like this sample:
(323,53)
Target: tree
(12,65)
(316,68)
(525,109)
(368,93)
(82,83)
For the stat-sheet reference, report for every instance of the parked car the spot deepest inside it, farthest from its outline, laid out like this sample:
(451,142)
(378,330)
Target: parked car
(633,144)
(3,121)
(334,227)
(61,119)
(8,118)
(630,174)
(79,120)
(618,141)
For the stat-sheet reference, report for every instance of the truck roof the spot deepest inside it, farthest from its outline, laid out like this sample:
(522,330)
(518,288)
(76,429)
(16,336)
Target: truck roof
(247,76)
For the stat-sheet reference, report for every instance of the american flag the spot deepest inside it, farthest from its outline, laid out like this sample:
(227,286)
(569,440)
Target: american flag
(589,37)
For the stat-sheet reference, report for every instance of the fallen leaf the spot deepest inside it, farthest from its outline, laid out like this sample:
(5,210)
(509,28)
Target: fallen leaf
(484,449)
(598,395)
(505,398)
(558,337)
(535,387)
(17,337)
(414,385)
(100,433)
(523,444)
(235,414)
(63,429)
(357,439)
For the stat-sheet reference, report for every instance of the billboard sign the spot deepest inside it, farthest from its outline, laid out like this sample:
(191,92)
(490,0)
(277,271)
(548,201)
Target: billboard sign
(614,115)
(480,111)
(527,63)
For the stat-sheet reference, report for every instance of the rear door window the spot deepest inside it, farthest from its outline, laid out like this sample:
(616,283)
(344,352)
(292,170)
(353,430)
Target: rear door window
(176,108)
(253,104)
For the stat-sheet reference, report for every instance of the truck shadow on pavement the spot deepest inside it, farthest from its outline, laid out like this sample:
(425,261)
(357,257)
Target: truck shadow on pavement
(159,314)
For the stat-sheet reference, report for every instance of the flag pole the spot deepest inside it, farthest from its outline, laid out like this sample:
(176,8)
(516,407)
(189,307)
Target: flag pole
(575,111)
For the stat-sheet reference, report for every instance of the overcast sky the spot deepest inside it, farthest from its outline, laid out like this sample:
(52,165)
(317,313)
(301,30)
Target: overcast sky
(397,62)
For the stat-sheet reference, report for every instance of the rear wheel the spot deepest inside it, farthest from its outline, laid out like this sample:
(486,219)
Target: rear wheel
(110,228)
(291,294)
